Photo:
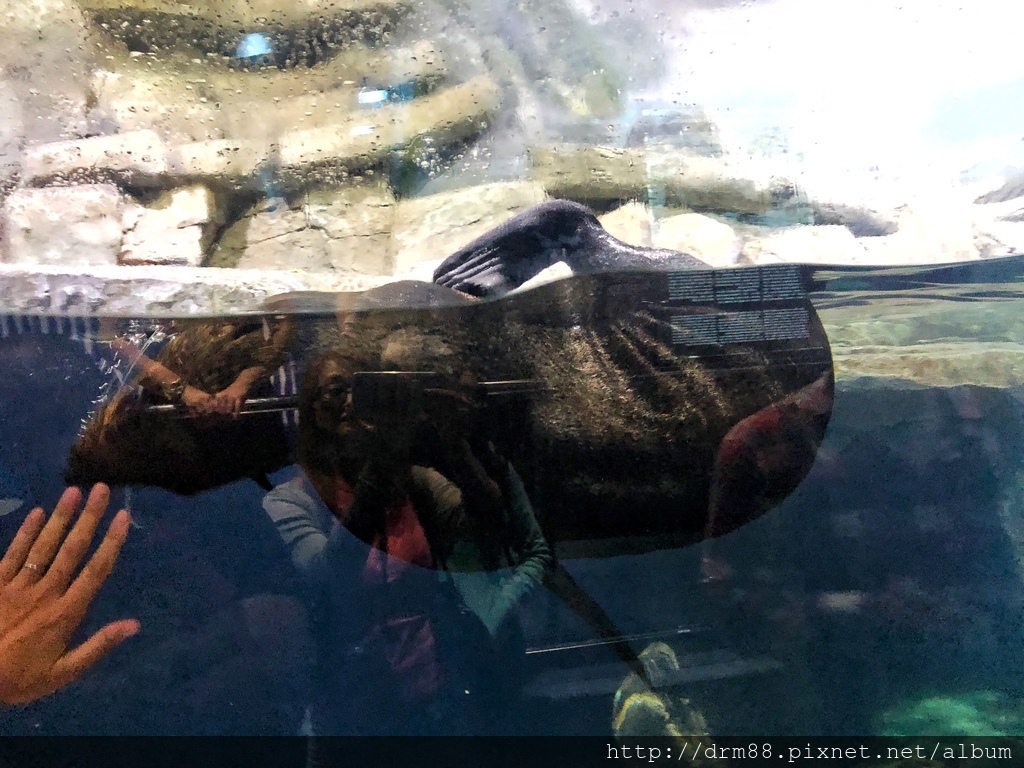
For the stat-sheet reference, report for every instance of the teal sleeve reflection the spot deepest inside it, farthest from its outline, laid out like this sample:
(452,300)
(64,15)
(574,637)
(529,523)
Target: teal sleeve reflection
(494,594)
(304,524)
(492,577)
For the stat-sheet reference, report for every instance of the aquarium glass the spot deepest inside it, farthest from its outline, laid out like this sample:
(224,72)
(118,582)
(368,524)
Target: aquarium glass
(511,368)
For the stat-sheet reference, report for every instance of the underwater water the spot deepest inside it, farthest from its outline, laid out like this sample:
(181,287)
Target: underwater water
(789,496)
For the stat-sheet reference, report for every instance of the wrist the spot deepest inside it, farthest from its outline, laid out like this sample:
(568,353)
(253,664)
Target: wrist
(247,378)
(174,391)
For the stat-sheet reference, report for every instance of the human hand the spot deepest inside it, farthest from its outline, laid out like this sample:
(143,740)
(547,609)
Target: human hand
(197,401)
(229,402)
(42,604)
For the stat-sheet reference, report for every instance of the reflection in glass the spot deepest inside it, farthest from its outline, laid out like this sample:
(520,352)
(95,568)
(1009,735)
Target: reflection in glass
(443,452)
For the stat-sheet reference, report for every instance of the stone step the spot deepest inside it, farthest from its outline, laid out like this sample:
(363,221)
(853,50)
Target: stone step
(602,174)
(362,227)
(191,99)
(159,291)
(169,21)
(936,365)
(360,140)
(349,141)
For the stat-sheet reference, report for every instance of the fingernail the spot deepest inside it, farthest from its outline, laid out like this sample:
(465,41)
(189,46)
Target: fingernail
(122,521)
(36,515)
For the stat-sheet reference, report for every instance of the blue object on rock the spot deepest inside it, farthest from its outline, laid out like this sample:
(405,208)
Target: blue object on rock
(254,44)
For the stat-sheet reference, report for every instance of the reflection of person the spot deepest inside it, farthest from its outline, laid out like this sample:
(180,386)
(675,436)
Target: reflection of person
(212,367)
(190,369)
(505,533)
(162,380)
(391,558)
(42,602)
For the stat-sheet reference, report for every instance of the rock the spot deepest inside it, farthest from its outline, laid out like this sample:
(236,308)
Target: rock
(356,141)
(176,230)
(355,211)
(187,99)
(304,249)
(603,174)
(217,161)
(630,223)
(1012,189)
(807,245)
(348,140)
(715,184)
(680,127)
(347,229)
(927,234)
(274,222)
(358,221)
(553,63)
(435,226)
(47,56)
(241,13)
(300,32)
(12,132)
(861,221)
(273,238)
(590,173)
(158,291)
(709,240)
(132,157)
(153,94)
(66,226)
(149,242)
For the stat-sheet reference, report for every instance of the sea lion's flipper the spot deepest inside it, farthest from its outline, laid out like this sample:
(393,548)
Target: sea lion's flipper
(557,231)
(579,601)
(520,248)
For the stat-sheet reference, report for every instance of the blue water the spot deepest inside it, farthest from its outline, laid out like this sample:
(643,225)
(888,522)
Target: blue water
(886,586)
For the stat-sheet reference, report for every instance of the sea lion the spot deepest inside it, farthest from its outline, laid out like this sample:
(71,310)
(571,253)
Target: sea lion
(646,402)
(611,392)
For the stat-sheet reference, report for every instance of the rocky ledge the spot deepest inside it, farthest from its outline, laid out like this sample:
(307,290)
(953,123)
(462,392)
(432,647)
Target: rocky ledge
(927,338)
(197,158)
(158,291)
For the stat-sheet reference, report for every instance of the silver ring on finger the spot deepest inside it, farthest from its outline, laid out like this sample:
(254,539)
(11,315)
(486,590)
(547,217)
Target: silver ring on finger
(35,567)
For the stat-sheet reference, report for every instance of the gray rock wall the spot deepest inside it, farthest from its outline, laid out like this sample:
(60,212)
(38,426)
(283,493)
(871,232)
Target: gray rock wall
(374,137)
